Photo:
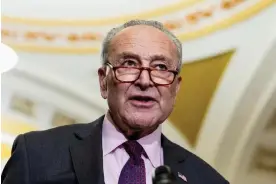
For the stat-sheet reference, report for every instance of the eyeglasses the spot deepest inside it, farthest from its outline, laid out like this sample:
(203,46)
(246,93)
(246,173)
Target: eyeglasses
(131,74)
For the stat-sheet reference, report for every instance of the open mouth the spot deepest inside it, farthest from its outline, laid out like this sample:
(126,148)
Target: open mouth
(142,98)
(142,101)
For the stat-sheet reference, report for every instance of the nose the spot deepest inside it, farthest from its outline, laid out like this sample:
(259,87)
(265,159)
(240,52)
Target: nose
(144,80)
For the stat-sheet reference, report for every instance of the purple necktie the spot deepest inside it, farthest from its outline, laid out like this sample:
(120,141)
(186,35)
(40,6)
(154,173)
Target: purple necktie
(134,171)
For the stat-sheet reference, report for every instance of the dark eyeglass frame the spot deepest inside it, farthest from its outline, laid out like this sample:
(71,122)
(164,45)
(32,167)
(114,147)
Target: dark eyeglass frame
(114,68)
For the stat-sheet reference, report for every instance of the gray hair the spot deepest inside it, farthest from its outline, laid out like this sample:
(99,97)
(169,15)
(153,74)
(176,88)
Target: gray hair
(110,35)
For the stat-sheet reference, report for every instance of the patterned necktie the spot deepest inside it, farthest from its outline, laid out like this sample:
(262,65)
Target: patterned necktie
(134,171)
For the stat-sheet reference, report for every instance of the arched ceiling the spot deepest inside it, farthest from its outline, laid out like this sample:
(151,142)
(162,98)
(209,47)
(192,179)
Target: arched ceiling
(91,10)
(78,27)
(54,47)
(199,82)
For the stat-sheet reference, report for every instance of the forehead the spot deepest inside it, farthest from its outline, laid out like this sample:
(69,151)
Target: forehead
(144,41)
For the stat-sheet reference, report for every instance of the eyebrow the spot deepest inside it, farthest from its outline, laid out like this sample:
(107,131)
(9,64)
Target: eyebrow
(152,58)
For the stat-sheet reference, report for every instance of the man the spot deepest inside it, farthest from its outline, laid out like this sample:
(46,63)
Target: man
(140,79)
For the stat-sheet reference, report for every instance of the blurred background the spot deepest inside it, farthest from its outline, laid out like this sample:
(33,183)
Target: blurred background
(225,111)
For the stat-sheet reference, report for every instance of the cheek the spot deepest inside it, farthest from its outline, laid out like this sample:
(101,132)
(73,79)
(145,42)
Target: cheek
(167,97)
(117,92)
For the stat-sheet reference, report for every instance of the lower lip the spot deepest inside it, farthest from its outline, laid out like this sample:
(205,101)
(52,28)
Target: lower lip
(142,104)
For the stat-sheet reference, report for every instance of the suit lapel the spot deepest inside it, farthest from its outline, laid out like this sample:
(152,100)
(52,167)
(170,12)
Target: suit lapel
(174,157)
(86,153)
(87,158)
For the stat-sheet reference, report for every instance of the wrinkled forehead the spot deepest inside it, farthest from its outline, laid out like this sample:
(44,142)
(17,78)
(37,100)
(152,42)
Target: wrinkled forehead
(143,41)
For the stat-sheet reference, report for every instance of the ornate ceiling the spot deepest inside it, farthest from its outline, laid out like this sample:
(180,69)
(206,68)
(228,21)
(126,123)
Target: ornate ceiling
(265,154)
(54,29)
(79,26)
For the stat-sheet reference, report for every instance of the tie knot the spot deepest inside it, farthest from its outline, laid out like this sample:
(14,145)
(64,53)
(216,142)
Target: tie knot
(134,149)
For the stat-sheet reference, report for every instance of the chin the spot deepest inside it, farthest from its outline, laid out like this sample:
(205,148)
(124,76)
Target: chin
(140,120)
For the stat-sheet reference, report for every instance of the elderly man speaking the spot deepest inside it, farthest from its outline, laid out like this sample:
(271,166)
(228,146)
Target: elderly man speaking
(139,78)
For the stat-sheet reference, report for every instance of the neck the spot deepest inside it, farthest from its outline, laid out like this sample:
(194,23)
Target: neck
(137,134)
(129,132)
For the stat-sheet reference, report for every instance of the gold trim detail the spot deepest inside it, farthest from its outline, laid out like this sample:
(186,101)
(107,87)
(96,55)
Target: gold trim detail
(104,21)
(200,80)
(191,19)
(53,49)
(223,24)
(239,17)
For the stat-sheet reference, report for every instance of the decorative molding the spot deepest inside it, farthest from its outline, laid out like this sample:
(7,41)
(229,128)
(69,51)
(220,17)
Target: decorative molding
(43,79)
(196,92)
(264,160)
(192,19)
(228,22)
(22,105)
(81,43)
(161,11)
(272,122)
(60,119)
(32,36)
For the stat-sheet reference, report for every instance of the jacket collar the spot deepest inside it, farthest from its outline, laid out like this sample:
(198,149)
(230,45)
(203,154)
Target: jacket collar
(87,155)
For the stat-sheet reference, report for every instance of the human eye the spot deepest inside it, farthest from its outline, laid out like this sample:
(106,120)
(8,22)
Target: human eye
(160,66)
(129,63)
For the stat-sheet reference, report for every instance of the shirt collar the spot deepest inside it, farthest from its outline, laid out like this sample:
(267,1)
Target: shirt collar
(112,138)
(151,143)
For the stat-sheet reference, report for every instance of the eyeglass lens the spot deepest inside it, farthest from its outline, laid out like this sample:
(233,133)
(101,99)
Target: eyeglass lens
(131,74)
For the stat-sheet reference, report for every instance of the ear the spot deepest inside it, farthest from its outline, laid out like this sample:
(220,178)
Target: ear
(102,80)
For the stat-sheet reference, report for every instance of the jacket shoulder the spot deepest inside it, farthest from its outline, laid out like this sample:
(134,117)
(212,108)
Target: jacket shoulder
(208,172)
(62,133)
(198,170)
(54,134)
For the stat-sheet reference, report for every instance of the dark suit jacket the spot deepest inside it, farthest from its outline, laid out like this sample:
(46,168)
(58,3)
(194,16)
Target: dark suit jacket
(73,154)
